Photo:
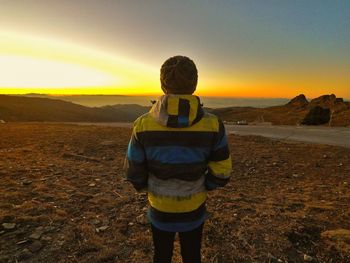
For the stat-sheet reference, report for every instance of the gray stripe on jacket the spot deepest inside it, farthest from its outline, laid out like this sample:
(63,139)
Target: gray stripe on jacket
(175,187)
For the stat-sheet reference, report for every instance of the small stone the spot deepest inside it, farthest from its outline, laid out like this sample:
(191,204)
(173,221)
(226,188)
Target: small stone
(22,242)
(9,226)
(340,164)
(131,224)
(24,254)
(46,238)
(308,258)
(325,156)
(26,182)
(92,184)
(35,246)
(295,175)
(49,228)
(345,183)
(39,229)
(36,235)
(142,219)
(103,228)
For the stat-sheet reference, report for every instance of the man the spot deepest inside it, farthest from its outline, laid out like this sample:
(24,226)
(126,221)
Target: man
(177,153)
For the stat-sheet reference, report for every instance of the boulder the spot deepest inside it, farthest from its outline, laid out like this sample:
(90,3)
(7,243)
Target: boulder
(317,116)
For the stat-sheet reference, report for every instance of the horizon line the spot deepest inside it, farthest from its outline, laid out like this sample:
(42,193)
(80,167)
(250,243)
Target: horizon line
(147,95)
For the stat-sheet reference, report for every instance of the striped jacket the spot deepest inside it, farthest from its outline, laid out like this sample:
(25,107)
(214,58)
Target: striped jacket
(177,152)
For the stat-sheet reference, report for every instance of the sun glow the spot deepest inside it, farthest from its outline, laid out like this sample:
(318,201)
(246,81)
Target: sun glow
(33,64)
(29,72)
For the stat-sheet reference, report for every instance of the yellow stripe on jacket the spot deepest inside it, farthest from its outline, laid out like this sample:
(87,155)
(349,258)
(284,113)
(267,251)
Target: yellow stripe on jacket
(173,204)
(221,169)
(208,123)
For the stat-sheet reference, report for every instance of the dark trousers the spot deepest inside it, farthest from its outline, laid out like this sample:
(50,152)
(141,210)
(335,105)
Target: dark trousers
(190,243)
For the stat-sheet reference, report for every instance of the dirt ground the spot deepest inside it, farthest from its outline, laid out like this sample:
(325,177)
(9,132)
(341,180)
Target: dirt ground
(63,198)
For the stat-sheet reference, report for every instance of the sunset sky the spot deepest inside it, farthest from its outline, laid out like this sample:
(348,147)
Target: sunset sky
(242,48)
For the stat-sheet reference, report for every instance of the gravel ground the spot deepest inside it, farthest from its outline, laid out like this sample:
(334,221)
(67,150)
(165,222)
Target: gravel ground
(63,198)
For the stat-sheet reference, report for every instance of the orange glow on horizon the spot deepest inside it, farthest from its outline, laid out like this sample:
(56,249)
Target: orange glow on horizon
(42,65)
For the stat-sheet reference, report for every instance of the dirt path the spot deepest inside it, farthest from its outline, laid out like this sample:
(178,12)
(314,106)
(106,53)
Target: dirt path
(322,135)
(63,198)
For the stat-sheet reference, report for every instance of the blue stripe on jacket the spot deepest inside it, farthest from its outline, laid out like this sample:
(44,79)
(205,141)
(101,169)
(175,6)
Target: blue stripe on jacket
(177,154)
(135,151)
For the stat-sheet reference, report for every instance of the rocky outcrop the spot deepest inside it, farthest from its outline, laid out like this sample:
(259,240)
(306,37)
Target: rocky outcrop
(317,116)
(331,102)
(299,101)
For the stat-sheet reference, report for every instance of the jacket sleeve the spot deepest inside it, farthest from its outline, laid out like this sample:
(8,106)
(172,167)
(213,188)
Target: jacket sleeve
(219,165)
(136,163)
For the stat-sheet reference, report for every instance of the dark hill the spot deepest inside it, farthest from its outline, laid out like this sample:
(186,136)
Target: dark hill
(18,108)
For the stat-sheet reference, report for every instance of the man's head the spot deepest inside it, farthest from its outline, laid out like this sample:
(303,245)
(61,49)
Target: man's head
(178,75)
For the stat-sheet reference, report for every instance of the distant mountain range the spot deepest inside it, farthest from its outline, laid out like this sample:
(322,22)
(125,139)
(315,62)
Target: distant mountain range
(20,108)
(327,109)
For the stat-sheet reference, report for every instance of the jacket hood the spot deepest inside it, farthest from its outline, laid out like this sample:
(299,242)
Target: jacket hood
(177,111)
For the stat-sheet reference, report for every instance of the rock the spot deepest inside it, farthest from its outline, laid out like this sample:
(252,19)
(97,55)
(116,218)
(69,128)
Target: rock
(92,184)
(49,229)
(325,101)
(36,235)
(26,182)
(142,219)
(101,228)
(24,254)
(317,115)
(9,226)
(22,242)
(299,101)
(308,258)
(35,246)
(46,238)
